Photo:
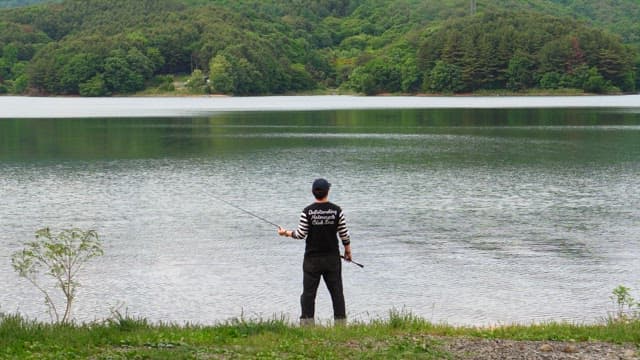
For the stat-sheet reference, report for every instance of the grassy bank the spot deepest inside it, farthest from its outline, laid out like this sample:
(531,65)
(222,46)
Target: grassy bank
(400,336)
(180,90)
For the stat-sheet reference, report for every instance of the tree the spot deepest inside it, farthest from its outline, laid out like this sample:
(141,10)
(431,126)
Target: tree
(300,78)
(155,56)
(20,84)
(519,73)
(79,69)
(221,75)
(10,54)
(377,76)
(445,78)
(637,74)
(43,70)
(578,77)
(249,80)
(551,80)
(5,69)
(140,63)
(95,86)
(576,57)
(596,83)
(362,81)
(411,77)
(119,76)
(197,82)
(614,67)
(62,256)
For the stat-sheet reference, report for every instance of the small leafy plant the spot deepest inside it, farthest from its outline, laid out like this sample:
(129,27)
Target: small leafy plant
(60,257)
(628,308)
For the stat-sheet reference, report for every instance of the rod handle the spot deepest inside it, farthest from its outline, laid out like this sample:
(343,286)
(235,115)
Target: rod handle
(351,261)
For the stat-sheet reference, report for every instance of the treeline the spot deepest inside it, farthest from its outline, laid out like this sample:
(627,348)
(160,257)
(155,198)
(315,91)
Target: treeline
(17,3)
(497,51)
(620,17)
(249,47)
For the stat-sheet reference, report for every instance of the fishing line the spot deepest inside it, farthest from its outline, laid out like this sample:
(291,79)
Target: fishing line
(245,211)
(265,220)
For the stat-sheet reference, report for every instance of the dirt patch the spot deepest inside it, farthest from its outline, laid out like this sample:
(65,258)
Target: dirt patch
(485,349)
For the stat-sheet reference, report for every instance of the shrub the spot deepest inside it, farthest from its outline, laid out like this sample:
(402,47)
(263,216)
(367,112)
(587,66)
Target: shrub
(62,256)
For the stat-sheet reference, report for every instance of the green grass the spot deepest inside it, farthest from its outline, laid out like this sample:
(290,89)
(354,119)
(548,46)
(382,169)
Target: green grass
(400,336)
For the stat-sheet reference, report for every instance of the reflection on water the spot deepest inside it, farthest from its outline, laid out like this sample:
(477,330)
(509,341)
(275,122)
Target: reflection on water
(463,216)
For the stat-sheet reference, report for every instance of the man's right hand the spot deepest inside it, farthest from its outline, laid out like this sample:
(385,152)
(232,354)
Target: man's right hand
(347,252)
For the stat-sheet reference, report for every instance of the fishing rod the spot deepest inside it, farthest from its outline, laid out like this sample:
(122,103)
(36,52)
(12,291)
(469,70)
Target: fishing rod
(268,222)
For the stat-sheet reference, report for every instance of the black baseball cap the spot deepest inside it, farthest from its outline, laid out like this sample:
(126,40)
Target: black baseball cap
(320,184)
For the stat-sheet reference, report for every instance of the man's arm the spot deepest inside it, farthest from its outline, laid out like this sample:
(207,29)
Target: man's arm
(300,233)
(343,233)
(347,252)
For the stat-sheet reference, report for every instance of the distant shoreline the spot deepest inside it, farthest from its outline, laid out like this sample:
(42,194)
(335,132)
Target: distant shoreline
(156,106)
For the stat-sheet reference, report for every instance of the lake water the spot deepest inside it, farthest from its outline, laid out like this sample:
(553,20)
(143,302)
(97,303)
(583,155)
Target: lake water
(463,210)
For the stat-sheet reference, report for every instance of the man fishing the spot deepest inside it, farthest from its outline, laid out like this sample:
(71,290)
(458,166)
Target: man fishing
(321,223)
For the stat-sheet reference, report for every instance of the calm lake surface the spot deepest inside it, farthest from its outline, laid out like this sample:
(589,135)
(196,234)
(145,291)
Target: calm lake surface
(466,215)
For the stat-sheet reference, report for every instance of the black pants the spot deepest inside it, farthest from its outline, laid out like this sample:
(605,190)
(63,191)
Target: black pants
(328,267)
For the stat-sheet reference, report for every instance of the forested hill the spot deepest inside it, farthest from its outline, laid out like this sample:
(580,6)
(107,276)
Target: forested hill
(247,47)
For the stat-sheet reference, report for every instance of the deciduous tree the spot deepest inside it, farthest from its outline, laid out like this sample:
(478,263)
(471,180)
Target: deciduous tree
(61,256)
